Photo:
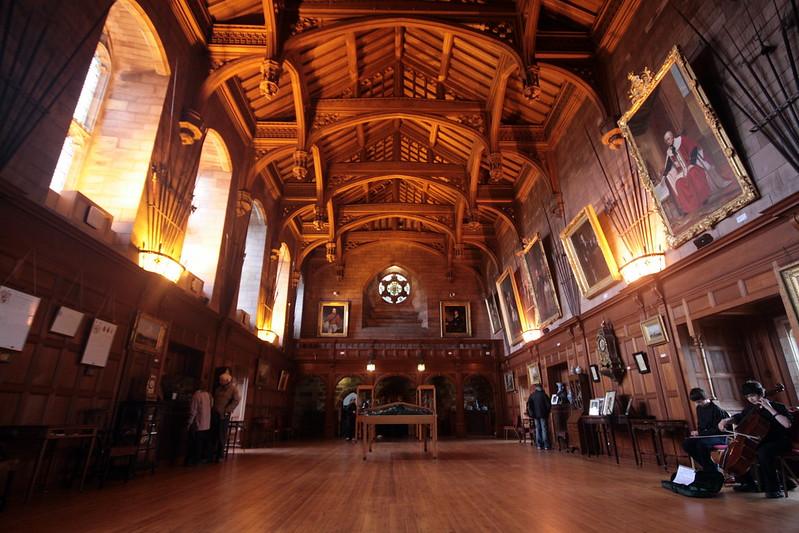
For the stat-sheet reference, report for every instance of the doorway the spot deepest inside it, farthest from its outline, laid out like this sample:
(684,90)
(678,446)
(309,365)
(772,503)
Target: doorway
(478,400)
(183,368)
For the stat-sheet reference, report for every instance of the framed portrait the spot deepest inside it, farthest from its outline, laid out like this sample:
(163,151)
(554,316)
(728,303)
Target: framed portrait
(594,371)
(283,382)
(683,155)
(533,374)
(654,331)
(511,307)
(510,382)
(589,254)
(262,373)
(595,407)
(456,319)
(333,318)
(641,362)
(789,290)
(492,304)
(609,402)
(542,287)
(149,334)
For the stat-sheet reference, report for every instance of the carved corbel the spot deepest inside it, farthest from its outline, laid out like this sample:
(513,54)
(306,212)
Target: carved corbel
(243,203)
(330,252)
(270,77)
(495,166)
(532,83)
(300,169)
(191,127)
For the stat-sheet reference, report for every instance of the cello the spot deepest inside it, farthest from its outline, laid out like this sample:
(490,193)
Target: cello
(741,452)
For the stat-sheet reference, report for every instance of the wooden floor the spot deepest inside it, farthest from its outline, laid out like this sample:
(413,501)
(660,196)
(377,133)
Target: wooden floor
(485,485)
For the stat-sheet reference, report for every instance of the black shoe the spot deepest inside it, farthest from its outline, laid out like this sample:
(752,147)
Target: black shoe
(746,487)
(775,494)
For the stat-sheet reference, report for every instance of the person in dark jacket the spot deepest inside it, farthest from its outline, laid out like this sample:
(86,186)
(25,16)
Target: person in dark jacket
(538,407)
(707,434)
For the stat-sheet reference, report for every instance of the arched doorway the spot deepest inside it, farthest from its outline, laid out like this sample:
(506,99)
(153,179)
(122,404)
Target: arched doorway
(394,389)
(345,388)
(478,405)
(446,397)
(308,415)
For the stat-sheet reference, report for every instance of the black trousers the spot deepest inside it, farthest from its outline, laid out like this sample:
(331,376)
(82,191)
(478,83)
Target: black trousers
(219,426)
(699,450)
(197,446)
(767,454)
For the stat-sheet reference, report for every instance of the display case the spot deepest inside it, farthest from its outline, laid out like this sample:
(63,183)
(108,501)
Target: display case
(366,395)
(137,424)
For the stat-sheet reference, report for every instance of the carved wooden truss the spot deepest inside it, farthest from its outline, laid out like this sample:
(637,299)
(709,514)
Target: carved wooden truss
(403,120)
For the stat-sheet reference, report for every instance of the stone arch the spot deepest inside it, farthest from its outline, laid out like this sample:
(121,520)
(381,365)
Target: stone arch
(249,296)
(409,315)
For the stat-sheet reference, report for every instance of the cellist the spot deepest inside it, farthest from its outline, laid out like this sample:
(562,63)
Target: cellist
(707,435)
(777,441)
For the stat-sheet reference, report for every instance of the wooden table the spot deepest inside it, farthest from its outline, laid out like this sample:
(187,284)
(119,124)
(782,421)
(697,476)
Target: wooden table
(602,427)
(47,434)
(369,418)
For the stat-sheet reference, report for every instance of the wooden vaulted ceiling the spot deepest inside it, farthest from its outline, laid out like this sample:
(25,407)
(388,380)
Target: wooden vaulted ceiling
(412,115)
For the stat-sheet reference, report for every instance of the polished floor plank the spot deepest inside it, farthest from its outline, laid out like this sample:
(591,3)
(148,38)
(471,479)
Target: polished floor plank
(481,485)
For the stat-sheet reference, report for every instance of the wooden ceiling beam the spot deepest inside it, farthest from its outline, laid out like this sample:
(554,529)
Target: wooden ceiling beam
(446,54)
(418,8)
(397,104)
(532,11)
(572,11)
(473,166)
(496,101)
(270,23)
(397,208)
(352,60)
(388,168)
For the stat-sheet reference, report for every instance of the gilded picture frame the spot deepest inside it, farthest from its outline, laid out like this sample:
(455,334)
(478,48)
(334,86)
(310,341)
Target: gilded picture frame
(149,334)
(533,374)
(492,305)
(334,318)
(684,157)
(788,276)
(588,253)
(456,319)
(510,305)
(654,331)
(542,286)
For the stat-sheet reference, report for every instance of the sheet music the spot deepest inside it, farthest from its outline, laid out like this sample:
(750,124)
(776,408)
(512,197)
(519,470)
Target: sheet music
(685,475)
(17,310)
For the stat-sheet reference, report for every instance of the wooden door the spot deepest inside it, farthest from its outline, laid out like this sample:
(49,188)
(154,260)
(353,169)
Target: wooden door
(728,361)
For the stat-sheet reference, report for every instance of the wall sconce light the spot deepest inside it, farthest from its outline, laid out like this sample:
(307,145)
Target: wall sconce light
(161,263)
(370,366)
(642,266)
(420,366)
(267,335)
(531,335)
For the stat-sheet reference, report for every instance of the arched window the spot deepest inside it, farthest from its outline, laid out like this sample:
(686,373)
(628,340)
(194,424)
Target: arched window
(250,283)
(107,151)
(299,297)
(73,152)
(282,278)
(204,230)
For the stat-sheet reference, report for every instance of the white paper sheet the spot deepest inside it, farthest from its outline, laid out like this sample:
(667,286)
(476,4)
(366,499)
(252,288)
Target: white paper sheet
(685,475)
(17,310)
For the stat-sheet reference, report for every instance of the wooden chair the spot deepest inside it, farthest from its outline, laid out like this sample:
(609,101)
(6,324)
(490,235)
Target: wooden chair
(524,427)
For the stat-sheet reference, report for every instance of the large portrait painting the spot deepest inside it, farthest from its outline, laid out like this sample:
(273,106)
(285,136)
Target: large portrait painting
(492,303)
(589,254)
(511,306)
(333,319)
(545,296)
(456,320)
(684,157)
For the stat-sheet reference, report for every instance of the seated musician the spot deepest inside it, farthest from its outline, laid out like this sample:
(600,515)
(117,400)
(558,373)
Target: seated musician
(708,416)
(777,441)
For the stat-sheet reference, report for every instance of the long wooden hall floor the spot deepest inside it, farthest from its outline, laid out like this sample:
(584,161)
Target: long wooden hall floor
(476,485)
